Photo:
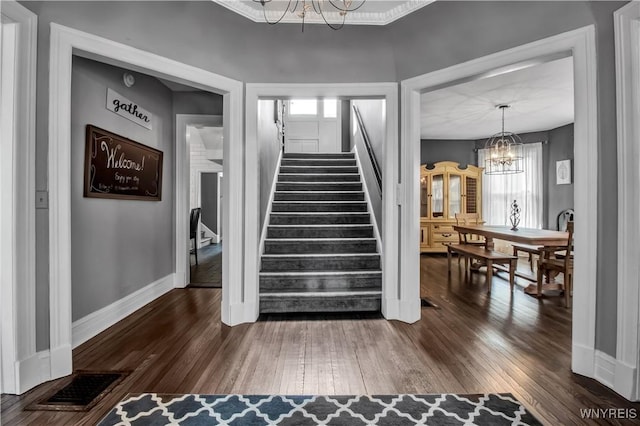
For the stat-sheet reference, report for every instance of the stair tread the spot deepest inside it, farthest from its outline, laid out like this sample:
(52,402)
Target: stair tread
(322,239)
(322,273)
(324,293)
(275,255)
(337,225)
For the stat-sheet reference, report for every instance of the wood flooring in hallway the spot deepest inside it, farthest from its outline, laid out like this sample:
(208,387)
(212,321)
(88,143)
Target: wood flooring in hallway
(471,343)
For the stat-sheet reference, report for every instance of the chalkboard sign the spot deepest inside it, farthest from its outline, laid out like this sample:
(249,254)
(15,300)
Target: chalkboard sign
(117,167)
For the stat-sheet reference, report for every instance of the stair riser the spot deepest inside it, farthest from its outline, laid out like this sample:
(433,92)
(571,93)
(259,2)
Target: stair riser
(317,156)
(282,247)
(342,263)
(334,219)
(312,186)
(314,170)
(319,207)
(327,177)
(321,232)
(319,196)
(302,283)
(320,304)
(313,162)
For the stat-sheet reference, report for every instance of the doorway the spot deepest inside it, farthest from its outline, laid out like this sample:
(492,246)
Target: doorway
(65,44)
(581,44)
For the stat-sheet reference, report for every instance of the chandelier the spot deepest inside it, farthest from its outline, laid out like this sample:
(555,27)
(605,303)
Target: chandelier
(504,154)
(306,9)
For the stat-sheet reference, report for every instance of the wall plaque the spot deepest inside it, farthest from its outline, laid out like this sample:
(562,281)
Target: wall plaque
(127,109)
(117,167)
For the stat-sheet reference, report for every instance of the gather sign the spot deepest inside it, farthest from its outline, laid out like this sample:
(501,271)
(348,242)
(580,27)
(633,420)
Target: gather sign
(128,109)
(117,167)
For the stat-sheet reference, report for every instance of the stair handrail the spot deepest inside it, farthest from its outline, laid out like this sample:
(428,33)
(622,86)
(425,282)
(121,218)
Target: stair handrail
(367,144)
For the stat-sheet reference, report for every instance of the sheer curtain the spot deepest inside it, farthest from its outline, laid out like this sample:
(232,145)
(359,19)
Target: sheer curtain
(499,191)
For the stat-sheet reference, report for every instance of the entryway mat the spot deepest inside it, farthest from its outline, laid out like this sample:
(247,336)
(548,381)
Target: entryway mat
(81,391)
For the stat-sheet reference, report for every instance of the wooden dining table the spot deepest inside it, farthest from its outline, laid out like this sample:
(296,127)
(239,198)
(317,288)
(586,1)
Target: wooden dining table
(530,236)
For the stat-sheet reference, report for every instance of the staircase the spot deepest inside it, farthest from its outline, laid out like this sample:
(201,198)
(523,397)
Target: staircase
(320,252)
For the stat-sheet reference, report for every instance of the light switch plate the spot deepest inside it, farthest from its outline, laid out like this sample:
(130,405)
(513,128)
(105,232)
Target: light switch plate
(42,199)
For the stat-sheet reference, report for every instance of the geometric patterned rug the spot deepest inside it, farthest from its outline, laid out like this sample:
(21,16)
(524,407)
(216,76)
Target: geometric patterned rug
(300,410)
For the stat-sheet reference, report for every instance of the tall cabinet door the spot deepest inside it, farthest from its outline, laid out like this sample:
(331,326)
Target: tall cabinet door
(471,196)
(454,195)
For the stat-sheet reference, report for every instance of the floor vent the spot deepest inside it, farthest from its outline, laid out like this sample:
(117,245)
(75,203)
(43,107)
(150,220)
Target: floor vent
(426,303)
(81,391)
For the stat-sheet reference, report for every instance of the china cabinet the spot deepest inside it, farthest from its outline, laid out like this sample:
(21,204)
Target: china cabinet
(446,189)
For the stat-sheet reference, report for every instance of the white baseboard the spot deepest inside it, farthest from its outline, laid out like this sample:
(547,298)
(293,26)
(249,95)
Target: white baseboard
(401,310)
(605,368)
(89,326)
(240,313)
(582,360)
(625,381)
(33,371)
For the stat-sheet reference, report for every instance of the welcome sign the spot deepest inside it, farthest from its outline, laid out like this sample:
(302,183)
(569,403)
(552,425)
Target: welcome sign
(117,167)
(127,109)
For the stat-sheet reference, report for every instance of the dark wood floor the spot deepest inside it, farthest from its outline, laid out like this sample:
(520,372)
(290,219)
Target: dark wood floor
(470,344)
(208,271)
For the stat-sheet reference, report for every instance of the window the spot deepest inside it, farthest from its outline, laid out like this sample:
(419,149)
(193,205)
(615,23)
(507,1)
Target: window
(303,107)
(499,191)
(330,108)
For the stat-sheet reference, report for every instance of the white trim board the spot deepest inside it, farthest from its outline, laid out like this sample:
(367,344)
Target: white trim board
(18,242)
(66,42)
(96,322)
(581,43)
(367,195)
(395,292)
(627,44)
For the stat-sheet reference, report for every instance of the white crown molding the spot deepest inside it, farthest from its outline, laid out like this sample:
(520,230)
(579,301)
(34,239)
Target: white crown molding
(403,8)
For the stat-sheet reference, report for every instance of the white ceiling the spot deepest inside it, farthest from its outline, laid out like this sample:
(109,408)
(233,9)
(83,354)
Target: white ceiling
(210,137)
(541,98)
(373,12)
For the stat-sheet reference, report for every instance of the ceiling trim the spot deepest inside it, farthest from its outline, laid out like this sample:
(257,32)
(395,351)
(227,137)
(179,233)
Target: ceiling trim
(353,18)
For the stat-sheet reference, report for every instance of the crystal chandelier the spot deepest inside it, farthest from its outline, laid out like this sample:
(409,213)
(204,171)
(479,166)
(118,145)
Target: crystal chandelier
(321,8)
(504,153)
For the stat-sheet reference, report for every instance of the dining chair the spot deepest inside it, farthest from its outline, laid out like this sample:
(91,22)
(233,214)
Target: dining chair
(558,259)
(468,238)
(194,218)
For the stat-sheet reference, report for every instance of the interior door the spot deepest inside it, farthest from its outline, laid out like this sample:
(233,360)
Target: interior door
(312,125)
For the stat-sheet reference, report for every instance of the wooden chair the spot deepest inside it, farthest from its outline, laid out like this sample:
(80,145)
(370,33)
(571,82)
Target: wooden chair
(558,259)
(531,250)
(466,238)
(194,218)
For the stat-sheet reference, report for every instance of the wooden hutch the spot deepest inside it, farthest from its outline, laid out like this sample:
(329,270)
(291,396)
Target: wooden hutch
(445,190)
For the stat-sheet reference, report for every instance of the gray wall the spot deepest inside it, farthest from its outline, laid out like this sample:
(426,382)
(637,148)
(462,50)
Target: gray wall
(372,112)
(269,144)
(209,200)
(117,246)
(442,34)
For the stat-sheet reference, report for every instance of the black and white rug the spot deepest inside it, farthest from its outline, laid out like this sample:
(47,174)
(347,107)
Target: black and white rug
(355,410)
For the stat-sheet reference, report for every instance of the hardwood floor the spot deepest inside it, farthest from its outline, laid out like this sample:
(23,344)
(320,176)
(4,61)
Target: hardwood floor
(471,343)
(208,271)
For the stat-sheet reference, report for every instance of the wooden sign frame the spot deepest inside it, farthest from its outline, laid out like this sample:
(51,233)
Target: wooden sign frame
(119,168)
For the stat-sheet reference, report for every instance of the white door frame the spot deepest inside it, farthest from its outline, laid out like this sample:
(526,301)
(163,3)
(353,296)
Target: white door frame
(627,40)
(581,43)
(66,42)
(399,299)
(19,366)
(183,158)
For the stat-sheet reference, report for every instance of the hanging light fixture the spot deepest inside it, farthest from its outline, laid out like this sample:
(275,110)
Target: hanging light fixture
(305,9)
(504,154)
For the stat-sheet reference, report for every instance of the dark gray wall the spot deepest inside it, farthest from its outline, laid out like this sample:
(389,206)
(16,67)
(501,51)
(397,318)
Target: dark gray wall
(560,197)
(209,200)
(442,34)
(197,103)
(459,150)
(117,246)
